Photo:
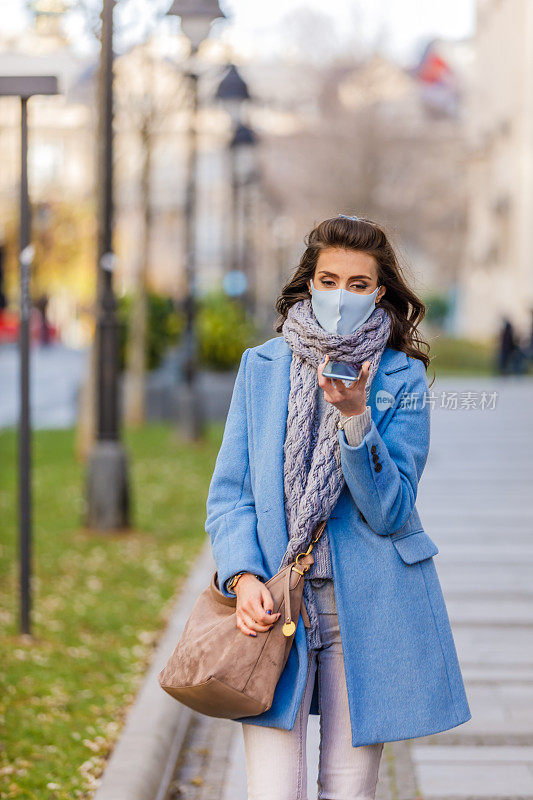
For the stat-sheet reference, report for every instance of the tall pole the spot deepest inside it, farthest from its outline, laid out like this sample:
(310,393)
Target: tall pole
(234,227)
(108,487)
(24,344)
(196,17)
(248,255)
(192,424)
(107,336)
(24,87)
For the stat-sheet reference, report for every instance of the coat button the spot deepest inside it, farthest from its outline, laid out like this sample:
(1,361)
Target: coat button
(377,467)
(375,458)
(373,448)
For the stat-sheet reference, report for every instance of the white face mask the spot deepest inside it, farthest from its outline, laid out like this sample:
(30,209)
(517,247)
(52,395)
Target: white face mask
(341,311)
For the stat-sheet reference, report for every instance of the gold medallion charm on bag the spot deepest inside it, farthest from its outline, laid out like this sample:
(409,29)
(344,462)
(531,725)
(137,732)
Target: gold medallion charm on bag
(288,628)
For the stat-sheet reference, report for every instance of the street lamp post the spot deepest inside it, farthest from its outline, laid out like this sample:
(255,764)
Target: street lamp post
(232,92)
(196,18)
(243,145)
(25,87)
(107,480)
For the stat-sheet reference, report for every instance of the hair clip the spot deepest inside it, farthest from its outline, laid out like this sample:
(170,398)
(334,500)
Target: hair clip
(344,216)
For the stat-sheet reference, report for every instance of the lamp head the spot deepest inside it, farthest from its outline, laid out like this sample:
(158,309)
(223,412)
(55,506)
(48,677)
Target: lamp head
(196,18)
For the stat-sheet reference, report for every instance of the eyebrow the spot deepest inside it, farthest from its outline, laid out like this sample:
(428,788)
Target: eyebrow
(333,275)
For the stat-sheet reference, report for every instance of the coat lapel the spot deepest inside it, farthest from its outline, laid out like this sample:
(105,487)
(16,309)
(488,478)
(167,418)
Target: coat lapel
(269,394)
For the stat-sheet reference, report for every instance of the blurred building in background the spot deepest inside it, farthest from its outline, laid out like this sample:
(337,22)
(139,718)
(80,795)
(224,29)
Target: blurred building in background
(60,171)
(439,152)
(373,138)
(497,275)
(151,123)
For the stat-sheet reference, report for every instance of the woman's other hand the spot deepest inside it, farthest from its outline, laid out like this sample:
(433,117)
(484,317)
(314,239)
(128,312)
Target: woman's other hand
(348,399)
(254,601)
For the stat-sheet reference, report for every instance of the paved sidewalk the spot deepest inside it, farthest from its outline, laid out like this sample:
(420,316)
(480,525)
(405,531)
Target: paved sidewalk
(475,501)
(56,373)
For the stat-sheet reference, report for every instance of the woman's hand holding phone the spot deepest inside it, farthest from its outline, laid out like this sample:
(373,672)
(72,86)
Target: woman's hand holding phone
(348,399)
(254,602)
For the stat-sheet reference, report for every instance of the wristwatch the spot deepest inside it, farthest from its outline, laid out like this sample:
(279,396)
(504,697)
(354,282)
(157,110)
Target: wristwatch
(230,583)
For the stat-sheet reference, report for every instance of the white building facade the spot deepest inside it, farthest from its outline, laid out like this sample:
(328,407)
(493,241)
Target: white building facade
(497,273)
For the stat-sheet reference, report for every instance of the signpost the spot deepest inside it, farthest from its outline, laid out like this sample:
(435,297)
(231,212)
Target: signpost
(25,87)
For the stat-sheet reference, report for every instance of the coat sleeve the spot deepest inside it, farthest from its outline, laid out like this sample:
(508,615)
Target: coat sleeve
(382,472)
(231,520)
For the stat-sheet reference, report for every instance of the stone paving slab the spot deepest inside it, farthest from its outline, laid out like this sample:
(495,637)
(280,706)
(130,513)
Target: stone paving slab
(492,578)
(473,780)
(497,712)
(474,771)
(500,645)
(491,673)
(450,533)
(489,611)
(464,753)
(508,553)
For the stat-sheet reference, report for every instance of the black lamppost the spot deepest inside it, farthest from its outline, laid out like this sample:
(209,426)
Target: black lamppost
(196,18)
(25,87)
(107,479)
(232,92)
(242,146)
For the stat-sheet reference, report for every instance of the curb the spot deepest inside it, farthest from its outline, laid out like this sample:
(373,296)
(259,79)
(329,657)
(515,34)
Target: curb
(142,761)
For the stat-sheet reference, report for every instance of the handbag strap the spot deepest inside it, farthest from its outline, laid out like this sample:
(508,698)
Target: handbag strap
(320,528)
(289,626)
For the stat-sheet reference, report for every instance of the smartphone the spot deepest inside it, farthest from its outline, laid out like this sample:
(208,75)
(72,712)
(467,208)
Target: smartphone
(339,370)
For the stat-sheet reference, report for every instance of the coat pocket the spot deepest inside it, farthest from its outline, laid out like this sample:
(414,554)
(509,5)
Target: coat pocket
(414,547)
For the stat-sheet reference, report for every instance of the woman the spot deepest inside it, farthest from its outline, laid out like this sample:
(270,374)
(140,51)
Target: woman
(377,660)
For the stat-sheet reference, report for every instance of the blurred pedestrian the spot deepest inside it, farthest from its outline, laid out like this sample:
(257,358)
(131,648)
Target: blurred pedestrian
(374,654)
(511,357)
(41,304)
(3,298)
(529,347)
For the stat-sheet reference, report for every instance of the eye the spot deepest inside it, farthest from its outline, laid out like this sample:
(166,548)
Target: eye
(358,287)
(327,282)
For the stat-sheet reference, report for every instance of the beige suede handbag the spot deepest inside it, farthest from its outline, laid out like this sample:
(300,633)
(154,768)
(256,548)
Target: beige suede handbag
(218,670)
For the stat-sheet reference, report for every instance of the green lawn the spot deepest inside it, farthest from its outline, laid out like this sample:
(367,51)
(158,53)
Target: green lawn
(461,356)
(100,604)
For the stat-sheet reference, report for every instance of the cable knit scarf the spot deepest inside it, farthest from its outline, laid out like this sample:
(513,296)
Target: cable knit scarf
(312,473)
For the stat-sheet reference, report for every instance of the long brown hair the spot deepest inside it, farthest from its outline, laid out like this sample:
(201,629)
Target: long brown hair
(406,310)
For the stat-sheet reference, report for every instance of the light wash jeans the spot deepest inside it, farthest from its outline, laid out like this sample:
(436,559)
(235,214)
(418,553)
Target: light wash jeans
(276,763)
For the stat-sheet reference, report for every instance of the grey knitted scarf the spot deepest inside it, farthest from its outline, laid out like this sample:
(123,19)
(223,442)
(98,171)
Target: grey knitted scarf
(312,473)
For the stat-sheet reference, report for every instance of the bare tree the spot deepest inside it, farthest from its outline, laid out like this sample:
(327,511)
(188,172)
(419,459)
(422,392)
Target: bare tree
(150,91)
(377,152)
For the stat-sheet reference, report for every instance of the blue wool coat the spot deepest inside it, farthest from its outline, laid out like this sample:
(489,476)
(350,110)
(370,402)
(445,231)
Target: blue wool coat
(401,666)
